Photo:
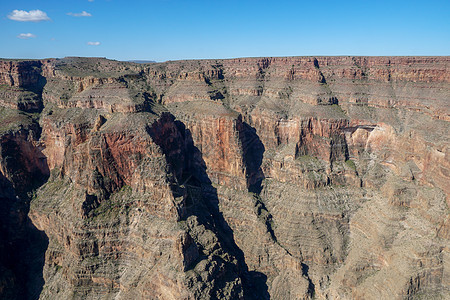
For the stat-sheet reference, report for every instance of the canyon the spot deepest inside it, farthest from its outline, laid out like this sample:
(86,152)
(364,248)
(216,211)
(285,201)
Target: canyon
(246,178)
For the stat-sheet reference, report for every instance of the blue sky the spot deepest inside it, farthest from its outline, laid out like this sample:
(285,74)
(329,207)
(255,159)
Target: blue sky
(172,29)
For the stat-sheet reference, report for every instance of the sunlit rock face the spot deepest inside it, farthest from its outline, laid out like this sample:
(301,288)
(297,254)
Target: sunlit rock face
(252,178)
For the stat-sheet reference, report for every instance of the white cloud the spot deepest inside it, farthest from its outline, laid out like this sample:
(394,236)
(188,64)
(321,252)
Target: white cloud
(91,0)
(81,14)
(26,36)
(93,43)
(31,16)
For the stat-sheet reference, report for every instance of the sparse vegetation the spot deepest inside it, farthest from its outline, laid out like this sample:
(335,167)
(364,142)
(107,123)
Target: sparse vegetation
(351,164)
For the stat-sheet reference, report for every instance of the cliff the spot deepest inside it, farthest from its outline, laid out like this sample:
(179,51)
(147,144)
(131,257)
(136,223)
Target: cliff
(251,178)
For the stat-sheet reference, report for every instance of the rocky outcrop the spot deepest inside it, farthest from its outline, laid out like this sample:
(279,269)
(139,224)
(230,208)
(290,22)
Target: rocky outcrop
(252,178)
(123,179)
(21,85)
(20,73)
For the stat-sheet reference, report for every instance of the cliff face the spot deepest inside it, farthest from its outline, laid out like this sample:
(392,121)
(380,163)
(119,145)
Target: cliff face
(254,178)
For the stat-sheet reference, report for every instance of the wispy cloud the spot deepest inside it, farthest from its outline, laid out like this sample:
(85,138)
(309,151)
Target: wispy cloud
(31,16)
(93,43)
(26,36)
(91,0)
(81,14)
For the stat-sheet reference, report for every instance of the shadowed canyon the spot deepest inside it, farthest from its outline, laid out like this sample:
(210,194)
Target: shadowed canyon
(250,178)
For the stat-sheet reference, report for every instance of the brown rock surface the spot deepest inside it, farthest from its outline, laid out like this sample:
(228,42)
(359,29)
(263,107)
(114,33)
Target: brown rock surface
(254,178)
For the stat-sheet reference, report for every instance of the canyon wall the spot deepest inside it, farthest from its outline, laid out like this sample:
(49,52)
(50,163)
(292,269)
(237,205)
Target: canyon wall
(250,178)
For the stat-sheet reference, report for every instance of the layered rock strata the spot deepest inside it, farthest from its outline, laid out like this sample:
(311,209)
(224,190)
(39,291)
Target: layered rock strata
(251,178)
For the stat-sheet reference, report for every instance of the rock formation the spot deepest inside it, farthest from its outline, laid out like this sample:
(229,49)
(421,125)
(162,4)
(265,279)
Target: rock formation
(251,178)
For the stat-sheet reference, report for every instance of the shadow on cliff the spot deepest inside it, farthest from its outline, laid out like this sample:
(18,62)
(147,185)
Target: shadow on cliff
(37,88)
(206,208)
(22,245)
(22,248)
(254,283)
(253,155)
